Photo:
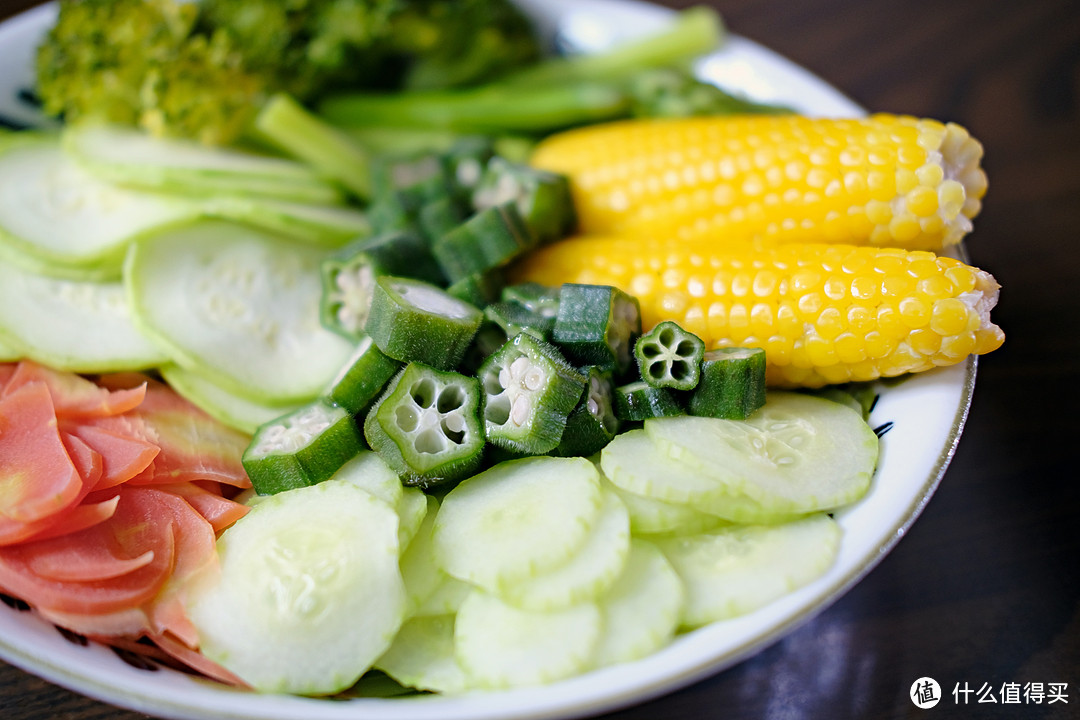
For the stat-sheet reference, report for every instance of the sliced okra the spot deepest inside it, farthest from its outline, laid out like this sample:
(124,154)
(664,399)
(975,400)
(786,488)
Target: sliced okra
(542,197)
(529,390)
(668,356)
(480,289)
(348,276)
(597,325)
(362,378)
(465,162)
(514,319)
(414,321)
(412,181)
(426,426)
(304,447)
(593,423)
(438,217)
(489,239)
(540,299)
(488,339)
(640,401)
(732,384)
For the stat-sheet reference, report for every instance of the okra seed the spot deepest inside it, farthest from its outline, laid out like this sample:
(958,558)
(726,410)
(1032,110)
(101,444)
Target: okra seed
(534,379)
(519,411)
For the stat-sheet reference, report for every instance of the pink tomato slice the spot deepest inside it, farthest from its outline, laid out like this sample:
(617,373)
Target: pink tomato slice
(219,511)
(123,456)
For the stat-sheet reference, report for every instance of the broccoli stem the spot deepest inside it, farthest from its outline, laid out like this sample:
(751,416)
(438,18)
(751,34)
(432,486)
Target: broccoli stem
(695,32)
(290,126)
(489,109)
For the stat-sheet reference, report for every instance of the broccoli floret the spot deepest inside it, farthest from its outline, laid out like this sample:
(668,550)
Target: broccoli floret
(204,70)
(145,62)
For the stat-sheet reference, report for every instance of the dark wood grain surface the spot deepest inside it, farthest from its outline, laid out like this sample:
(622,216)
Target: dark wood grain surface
(985,588)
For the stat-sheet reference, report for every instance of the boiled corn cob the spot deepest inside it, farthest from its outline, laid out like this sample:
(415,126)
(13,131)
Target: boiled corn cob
(885,180)
(823,313)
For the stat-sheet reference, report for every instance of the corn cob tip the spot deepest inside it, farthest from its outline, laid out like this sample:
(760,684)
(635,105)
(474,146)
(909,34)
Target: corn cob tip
(885,180)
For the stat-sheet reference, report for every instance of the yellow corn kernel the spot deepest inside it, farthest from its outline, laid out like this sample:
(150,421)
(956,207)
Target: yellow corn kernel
(886,180)
(811,307)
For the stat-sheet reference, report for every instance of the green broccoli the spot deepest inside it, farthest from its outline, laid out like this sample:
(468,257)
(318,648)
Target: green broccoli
(204,70)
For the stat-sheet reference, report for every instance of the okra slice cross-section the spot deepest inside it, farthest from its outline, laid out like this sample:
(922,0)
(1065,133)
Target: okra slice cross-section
(592,424)
(732,384)
(529,390)
(414,321)
(668,356)
(489,239)
(362,378)
(597,325)
(638,401)
(543,198)
(426,426)
(349,274)
(304,447)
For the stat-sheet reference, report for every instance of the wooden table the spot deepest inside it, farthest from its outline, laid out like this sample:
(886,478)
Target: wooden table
(985,588)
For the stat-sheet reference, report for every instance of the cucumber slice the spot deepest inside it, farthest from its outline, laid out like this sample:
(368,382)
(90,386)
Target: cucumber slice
(55,212)
(738,569)
(642,609)
(446,598)
(588,573)
(500,646)
(634,463)
(367,471)
(129,157)
(223,405)
(324,225)
(8,353)
(412,508)
(308,593)
(418,569)
(795,455)
(649,516)
(71,325)
(517,519)
(422,656)
(237,305)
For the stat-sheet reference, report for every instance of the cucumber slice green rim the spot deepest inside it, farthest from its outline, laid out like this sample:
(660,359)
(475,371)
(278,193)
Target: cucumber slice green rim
(309,593)
(56,213)
(72,325)
(516,520)
(239,306)
(797,454)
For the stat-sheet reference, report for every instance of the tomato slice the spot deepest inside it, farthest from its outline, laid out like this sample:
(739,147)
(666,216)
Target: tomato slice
(72,520)
(6,371)
(37,477)
(138,526)
(75,396)
(131,622)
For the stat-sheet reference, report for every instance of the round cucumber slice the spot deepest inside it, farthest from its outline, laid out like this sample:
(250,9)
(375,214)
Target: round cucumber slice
(308,593)
(737,569)
(237,305)
(586,575)
(56,212)
(501,646)
(642,609)
(422,656)
(517,519)
(72,325)
(797,454)
(227,407)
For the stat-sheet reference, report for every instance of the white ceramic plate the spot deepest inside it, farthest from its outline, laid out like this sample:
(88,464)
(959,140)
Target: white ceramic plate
(926,413)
